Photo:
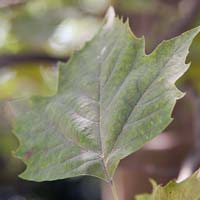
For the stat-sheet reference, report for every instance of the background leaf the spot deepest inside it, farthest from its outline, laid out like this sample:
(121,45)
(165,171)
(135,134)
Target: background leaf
(186,190)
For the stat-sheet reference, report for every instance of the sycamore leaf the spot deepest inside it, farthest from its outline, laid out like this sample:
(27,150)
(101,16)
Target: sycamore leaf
(186,190)
(111,99)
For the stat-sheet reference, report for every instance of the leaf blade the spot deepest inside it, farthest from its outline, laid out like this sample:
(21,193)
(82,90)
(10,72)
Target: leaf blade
(111,99)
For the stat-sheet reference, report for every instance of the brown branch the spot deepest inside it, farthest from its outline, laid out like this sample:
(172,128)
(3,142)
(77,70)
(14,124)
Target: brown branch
(11,59)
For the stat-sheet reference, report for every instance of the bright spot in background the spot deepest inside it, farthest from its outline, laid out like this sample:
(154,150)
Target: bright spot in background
(4,29)
(37,7)
(6,75)
(71,34)
(64,34)
(95,6)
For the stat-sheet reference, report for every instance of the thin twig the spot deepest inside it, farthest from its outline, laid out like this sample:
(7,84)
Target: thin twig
(10,59)
(114,190)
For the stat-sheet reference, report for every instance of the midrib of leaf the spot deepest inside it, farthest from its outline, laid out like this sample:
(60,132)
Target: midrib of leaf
(102,155)
(99,102)
(118,90)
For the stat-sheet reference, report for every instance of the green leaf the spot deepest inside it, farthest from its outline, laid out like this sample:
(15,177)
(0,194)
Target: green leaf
(111,99)
(186,190)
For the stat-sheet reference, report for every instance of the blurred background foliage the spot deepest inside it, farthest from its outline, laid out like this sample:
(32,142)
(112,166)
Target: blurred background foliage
(35,34)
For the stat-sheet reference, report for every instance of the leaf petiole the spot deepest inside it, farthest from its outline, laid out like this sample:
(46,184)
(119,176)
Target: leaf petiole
(114,190)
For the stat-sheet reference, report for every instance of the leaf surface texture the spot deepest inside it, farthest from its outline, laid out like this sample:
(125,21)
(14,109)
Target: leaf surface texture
(111,99)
